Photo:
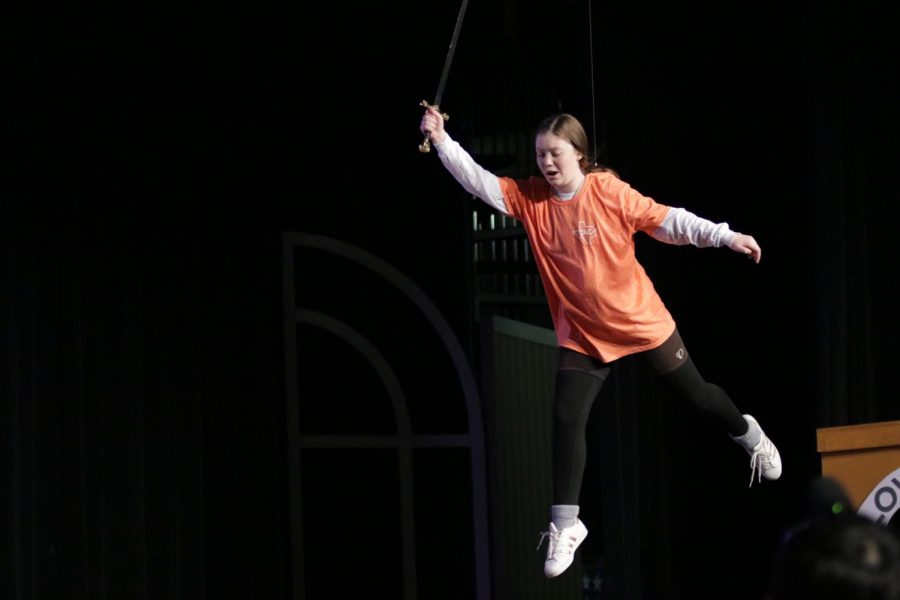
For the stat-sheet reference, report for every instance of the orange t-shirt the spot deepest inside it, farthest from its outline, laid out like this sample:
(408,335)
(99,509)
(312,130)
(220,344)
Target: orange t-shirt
(601,300)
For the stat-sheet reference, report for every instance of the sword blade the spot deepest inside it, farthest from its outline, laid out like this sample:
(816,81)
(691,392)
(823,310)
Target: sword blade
(438,96)
(425,146)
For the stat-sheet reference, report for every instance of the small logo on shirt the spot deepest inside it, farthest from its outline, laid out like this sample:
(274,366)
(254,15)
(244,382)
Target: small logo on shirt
(680,354)
(586,233)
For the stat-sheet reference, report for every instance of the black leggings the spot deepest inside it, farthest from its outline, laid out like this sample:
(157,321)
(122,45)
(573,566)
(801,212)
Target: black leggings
(578,381)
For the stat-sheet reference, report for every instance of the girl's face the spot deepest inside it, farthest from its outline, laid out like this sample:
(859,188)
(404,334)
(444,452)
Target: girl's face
(558,161)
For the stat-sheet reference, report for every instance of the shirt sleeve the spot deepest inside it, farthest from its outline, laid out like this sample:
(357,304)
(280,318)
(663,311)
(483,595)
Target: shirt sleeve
(682,227)
(475,179)
(640,212)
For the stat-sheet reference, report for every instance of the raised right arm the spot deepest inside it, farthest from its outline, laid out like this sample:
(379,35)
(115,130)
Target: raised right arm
(475,179)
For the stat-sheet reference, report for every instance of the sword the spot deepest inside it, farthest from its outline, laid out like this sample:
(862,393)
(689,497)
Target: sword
(426,145)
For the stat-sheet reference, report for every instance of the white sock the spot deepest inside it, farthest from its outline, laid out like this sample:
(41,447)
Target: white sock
(751,438)
(564,515)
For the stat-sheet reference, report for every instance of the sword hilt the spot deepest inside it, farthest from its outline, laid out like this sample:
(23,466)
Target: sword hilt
(426,145)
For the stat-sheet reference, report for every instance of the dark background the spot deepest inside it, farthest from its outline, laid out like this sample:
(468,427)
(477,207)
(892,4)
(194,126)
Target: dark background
(156,154)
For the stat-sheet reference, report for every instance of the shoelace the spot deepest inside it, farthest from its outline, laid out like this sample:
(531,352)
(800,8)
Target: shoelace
(555,546)
(554,539)
(761,459)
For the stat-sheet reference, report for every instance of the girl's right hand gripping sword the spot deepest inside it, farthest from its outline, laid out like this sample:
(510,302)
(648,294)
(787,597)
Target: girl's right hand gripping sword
(426,145)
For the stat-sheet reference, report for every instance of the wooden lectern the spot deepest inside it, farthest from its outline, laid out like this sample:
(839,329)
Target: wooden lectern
(859,456)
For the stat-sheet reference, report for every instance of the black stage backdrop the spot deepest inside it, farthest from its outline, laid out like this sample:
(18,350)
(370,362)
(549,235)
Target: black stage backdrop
(155,156)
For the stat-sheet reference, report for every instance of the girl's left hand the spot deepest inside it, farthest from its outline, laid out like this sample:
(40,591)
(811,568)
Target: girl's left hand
(745,244)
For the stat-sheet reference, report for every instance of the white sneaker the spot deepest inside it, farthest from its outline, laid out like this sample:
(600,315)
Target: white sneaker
(563,544)
(765,461)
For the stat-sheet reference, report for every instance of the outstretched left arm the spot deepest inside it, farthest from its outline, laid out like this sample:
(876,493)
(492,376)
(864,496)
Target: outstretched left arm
(684,227)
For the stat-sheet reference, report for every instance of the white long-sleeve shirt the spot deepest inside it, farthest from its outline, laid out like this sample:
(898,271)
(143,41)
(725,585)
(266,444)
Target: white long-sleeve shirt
(680,226)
